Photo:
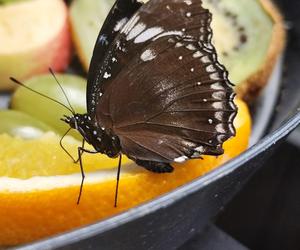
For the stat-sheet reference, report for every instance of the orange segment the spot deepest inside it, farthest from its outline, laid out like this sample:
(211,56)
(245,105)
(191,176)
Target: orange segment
(44,157)
(40,206)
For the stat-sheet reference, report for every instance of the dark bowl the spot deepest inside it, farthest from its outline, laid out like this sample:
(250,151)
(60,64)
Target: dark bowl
(170,220)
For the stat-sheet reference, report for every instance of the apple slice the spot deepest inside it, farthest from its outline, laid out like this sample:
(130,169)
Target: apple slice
(248,35)
(34,36)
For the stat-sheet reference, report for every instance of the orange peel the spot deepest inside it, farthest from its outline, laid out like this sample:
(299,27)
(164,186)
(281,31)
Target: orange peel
(33,206)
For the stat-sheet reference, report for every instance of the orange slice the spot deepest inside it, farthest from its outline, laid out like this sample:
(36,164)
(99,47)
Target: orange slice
(39,184)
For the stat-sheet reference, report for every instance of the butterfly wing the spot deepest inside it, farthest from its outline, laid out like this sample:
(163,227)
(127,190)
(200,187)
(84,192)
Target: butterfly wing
(118,16)
(109,58)
(164,93)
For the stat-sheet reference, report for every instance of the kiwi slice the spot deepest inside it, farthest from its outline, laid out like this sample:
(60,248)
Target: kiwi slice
(248,35)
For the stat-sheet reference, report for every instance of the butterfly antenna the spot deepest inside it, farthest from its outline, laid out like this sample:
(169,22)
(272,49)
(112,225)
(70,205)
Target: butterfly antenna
(47,97)
(62,89)
(118,180)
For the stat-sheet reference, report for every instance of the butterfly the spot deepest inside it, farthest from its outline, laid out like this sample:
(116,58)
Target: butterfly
(156,91)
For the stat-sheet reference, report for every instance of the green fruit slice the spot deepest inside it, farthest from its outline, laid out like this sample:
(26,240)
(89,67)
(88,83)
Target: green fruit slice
(87,17)
(46,110)
(242,35)
(21,125)
(10,1)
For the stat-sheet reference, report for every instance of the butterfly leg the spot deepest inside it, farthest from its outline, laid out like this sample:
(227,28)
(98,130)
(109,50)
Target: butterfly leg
(81,150)
(156,167)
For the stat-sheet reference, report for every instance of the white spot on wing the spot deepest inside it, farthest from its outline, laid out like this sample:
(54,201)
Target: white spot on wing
(132,22)
(191,47)
(200,149)
(148,55)
(178,45)
(220,128)
(221,138)
(197,54)
(217,86)
(106,75)
(136,30)
(214,76)
(220,95)
(210,68)
(205,59)
(168,33)
(188,2)
(181,159)
(120,24)
(219,115)
(148,34)
(217,105)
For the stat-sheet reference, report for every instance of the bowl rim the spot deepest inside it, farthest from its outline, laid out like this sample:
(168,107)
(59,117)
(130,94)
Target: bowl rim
(169,198)
(261,118)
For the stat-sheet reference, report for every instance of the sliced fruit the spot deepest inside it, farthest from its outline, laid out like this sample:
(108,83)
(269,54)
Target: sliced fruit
(46,110)
(43,156)
(248,35)
(21,125)
(10,1)
(34,36)
(87,17)
(47,197)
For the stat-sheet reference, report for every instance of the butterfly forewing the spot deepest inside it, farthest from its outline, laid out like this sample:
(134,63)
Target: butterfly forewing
(118,16)
(163,93)
(150,22)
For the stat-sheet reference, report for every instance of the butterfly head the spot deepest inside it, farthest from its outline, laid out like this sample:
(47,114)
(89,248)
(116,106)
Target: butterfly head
(103,141)
(77,121)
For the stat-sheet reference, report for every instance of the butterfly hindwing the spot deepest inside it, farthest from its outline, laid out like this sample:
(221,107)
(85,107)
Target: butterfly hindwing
(174,106)
(164,94)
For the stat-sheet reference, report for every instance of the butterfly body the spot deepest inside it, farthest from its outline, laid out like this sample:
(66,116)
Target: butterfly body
(102,140)
(156,91)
